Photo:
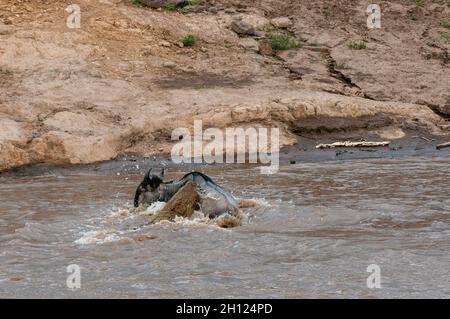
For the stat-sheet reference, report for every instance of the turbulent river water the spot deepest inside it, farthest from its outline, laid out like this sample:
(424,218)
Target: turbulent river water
(317,228)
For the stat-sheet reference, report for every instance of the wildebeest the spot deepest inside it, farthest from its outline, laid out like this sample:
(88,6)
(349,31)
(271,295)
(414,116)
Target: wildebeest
(214,200)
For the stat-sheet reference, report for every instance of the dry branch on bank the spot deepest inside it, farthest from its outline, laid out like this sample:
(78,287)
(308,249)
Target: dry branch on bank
(444,145)
(353,144)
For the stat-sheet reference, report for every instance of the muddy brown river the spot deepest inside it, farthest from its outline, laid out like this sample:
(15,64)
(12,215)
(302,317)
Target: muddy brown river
(317,228)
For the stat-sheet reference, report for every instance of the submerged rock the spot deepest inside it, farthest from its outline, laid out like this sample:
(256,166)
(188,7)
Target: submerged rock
(183,204)
(229,221)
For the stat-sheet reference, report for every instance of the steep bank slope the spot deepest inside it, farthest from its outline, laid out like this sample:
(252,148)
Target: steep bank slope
(123,81)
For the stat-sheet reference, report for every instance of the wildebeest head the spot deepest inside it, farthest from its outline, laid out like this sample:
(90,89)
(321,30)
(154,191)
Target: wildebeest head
(151,182)
(154,178)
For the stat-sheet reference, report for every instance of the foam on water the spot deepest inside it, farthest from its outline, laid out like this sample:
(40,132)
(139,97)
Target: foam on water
(98,237)
(155,207)
(119,218)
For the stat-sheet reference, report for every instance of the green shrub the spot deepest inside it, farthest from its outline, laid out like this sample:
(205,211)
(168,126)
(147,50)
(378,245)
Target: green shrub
(420,3)
(357,45)
(185,7)
(283,42)
(170,7)
(445,24)
(189,40)
(136,3)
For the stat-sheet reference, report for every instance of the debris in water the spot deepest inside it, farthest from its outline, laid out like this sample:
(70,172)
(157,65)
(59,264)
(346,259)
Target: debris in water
(248,203)
(97,237)
(353,144)
(444,145)
(145,237)
(228,221)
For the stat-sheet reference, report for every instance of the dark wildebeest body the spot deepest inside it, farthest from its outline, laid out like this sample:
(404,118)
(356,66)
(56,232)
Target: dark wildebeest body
(214,200)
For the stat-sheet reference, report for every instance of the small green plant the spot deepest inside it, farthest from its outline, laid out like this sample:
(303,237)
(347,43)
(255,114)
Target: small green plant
(448,3)
(280,41)
(446,37)
(228,45)
(189,40)
(445,24)
(195,2)
(185,9)
(137,3)
(170,7)
(357,45)
(187,6)
(420,3)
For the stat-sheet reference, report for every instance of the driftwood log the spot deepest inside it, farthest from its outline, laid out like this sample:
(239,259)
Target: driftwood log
(353,144)
(444,145)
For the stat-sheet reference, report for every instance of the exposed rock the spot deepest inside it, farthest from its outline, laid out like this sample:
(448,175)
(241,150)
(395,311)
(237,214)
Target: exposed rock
(265,48)
(230,10)
(165,44)
(282,22)
(249,44)
(70,122)
(228,221)
(169,64)
(242,28)
(64,148)
(249,25)
(435,7)
(6,29)
(445,109)
(256,20)
(11,130)
(183,204)
(11,156)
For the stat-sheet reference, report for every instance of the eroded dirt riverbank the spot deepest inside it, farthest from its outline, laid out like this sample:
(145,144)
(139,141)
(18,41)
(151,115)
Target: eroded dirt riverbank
(122,82)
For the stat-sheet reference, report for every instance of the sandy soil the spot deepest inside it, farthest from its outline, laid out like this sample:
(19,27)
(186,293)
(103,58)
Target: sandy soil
(122,82)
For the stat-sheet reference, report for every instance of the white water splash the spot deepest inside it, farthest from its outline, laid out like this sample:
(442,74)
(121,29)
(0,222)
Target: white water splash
(155,207)
(97,237)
